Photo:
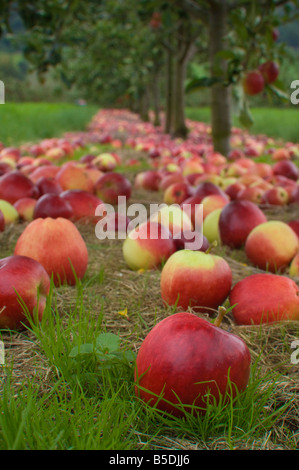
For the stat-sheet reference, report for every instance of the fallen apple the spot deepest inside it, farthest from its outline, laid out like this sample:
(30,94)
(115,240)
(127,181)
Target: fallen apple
(24,288)
(236,221)
(112,185)
(186,363)
(195,279)
(272,245)
(52,205)
(148,246)
(58,245)
(264,298)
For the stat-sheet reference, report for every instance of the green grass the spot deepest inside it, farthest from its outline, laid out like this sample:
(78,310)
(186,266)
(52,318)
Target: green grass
(30,122)
(86,406)
(279,123)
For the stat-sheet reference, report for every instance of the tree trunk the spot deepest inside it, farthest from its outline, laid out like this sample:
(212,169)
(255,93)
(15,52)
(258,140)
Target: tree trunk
(185,50)
(156,97)
(169,90)
(220,94)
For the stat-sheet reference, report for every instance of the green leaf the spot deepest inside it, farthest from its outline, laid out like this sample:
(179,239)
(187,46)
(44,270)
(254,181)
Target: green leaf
(108,342)
(278,92)
(245,116)
(198,83)
(86,348)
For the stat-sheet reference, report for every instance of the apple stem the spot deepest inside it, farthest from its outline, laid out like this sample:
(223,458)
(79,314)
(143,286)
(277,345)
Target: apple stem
(212,245)
(219,318)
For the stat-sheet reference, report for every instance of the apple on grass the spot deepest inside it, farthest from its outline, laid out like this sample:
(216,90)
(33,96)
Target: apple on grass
(58,245)
(148,246)
(206,189)
(192,240)
(276,196)
(286,168)
(9,212)
(15,185)
(177,193)
(52,205)
(24,288)
(264,298)
(236,221)
(46,185)
(213,202)
(195,279)
(2,222)
(294,224)
(25,207)
(210,227)
(83,204)
(186,363)
(74,176)
(149,180)
(272,245)
(111,185)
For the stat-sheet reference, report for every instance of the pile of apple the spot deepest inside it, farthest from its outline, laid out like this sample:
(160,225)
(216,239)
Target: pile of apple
(50,190)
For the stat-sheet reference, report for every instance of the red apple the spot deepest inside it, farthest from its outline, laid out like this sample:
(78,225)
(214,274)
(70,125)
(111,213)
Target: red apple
(112,185)
(195,279)
(206,189)
(294,224)
(272,245)
(185,363)
(264,298)
(253,82)
(251,193)
(72,176)
(24,288)
(213,202)
(83,204)
(169,179)
(286,168)
(2,221)
(48,171)
(149,180)
(177,193)
(276,196)
(236,221)
(15,185)
(46,185)
(148,246)
(25,207)
(52,205)
(58,246)
(233,189)
(269,71)
(294,195)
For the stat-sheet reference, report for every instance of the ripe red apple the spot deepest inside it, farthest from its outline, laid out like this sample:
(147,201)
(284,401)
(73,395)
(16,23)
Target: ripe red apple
(46,185)
(185,362)
(15,185)
(168,179)
(24,280)
(206,189)
(47,171)
(2,221)
(174,218)
(58,245)
(276,196)
(253,82)
(213,202)
(251,193)
(148,246)
(286,168)
(236,221)
(112,185)
(25,207)
(233,189)
(73,176)
(269,71)
(83,204)
(195,279)
(52,205)
(272,245)
(264,298)
(148,179)
(177,193)
(294,224)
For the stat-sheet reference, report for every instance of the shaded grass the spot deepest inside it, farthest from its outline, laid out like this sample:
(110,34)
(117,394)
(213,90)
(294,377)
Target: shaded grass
(279,123)
(30,122)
